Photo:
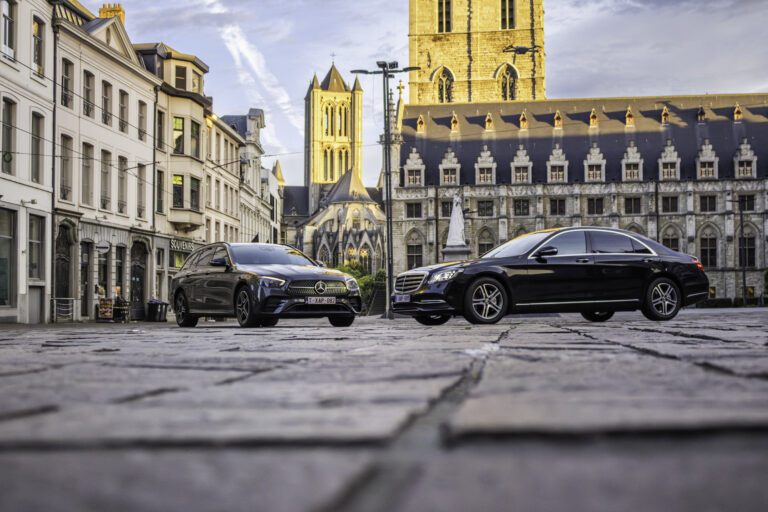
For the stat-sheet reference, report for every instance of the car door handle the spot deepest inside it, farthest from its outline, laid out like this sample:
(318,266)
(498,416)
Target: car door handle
(582,260)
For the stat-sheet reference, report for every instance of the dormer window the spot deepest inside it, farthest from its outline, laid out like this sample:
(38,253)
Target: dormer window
(454,123)
(593,119)
(489,122)
(420,124)
(523,121)
(737,113)
(665,116)
(630,118)
(181,77)
(701,116)
(558,120)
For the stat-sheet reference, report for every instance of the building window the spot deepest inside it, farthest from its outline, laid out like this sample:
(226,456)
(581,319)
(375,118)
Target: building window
(178,191)
(631,171)
(744,169)
(67,69)
(443,15)
(485,175)
(450,176)
(671,242)
(414,177)
(594,172)
(208,190)
(160,130)
(159,182)
(181,77)
(38,46)
(747,251)
(413,210)
(508,84)
(194,194)
(7,256)
(707,169)
(708,254)
(119,269)
(208,230)
(106,180)
(708,203)
(445,208)
(106,103)
(197,82)
(141,190)
(178,135)
(8,138)
(86,185)
(669,204)
(595,206)
(521,207)
(122,184)
(668,171)
(9,28)
(123,111)
(444,87)
(415,256)
(218,195)
(557,206)
(88,94)
(632,205)
(36,149)
(521,175)
(507,14)
(35,252)
(65,188)
(556,173)
(485,208)
(194,139)
(102,271)
(747,202)
(142,120)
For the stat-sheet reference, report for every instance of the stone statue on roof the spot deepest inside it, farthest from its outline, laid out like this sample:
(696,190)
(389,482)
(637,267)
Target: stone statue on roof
(456,246)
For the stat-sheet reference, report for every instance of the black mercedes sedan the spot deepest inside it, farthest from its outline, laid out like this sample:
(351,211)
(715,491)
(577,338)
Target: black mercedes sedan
(588,270)
(260,283)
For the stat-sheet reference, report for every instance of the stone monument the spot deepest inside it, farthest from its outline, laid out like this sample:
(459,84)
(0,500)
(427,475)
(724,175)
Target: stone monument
(456,247)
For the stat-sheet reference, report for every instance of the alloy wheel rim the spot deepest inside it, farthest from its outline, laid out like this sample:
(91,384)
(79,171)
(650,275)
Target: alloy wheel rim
(664,299)
(243,306)
(487,301)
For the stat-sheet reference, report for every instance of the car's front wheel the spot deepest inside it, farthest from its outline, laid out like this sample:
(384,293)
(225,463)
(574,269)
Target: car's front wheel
(245,309)
(341,321)
(181,309)
(662,300)
(432,319)
(597,316)
(485,301)
(268,322)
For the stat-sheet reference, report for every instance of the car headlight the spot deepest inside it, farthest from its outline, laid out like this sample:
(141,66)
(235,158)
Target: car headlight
(271,282)
(351,284)
(441,277)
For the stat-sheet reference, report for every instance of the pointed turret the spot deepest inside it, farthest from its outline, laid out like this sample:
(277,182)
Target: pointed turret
(278,172)
(349,189)
(333,82)
(357,87)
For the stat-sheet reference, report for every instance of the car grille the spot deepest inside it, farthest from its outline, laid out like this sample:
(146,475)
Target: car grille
(304,288)
(409,282)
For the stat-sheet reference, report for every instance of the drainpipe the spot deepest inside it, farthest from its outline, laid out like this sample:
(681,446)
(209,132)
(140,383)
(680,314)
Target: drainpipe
(437,226)
(53,163)
(154,162)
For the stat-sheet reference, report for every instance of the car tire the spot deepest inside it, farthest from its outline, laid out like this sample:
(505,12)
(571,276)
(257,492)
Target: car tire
(269,322)
(181,309)
(245,309)
(341,321)
(597,316)
(436,319)
(663,300)
(485,301)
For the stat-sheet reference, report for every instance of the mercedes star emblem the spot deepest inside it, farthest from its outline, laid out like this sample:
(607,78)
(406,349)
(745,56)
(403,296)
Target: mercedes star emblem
(320,287)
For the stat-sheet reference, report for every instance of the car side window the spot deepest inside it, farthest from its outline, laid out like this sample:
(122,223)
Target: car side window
(640,248)
(189,262)
(221,252)
(205,258)
(570,242)
(604,242)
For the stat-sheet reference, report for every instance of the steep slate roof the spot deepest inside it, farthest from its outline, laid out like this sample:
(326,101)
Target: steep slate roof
(349,189)
(576,136)
(239,123)
(298,197)
(376,195)
(333,82)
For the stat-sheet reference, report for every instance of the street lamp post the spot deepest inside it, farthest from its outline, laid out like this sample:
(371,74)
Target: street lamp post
(387,71)
(742,249)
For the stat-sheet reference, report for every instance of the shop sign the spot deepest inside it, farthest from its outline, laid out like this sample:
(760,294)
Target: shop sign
(182,245)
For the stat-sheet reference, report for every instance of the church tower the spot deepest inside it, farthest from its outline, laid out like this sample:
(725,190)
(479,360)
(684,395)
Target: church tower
(460,47)
(333,134)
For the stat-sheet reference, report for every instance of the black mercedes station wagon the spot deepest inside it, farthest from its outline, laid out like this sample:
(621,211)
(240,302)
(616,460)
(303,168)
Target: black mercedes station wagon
(259,284)
(592,271)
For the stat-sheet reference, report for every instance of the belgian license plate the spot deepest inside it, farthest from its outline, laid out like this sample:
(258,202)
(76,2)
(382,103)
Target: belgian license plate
(321,300)
(402,298)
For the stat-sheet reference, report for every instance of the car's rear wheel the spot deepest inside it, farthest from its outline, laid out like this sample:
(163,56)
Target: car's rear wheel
(268,322)
(597,316)
(485,301)
(181,309)
(245,309)
(662,300)
(341,321)
(436,319)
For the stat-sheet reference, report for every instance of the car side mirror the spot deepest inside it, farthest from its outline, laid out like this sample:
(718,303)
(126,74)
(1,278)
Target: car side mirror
(219,262)
(546,251)
(321,264)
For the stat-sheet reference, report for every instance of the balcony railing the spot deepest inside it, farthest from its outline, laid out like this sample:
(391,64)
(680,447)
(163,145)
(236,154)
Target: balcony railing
(120,206)
(66,98)
(106,118)
(106,202)
(142,134)
(65,193)
(123,125)
(88,108)
(140,212)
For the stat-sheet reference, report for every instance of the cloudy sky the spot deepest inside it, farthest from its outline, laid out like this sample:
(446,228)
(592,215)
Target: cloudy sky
(263,54)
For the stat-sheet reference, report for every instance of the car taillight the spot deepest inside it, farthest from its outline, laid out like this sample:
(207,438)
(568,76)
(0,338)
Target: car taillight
(698,264)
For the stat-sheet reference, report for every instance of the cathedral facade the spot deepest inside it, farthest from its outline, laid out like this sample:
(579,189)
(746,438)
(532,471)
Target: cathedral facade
(677,169)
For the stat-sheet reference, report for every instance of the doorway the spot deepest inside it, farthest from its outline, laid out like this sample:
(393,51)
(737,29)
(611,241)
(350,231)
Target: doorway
(138,279)
(86,249)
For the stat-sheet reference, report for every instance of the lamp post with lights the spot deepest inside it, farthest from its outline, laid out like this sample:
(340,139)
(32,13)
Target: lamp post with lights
(387,70)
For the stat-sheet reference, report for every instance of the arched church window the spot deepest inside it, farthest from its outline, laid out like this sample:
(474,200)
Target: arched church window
(445,87)
(326,165)
(339,128)
(346,121)
(324,255)
(327,120)
(508,84)
(443,15)
(708,247)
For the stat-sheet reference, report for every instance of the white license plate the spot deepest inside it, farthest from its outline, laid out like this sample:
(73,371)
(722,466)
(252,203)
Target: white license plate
(402,298)
(321,300)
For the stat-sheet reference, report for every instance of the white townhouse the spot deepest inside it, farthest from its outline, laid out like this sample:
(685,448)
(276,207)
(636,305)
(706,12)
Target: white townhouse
(26,115)
(222,181)
(104,165)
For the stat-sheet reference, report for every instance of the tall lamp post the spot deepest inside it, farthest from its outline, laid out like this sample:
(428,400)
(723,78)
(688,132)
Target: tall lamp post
(742,249)
(387,70)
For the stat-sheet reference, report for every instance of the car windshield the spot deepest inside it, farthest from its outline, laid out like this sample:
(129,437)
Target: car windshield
(517,246)
(268,255)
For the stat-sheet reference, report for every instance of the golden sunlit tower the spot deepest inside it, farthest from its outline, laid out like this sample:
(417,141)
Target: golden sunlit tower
(333,133)
(459,46)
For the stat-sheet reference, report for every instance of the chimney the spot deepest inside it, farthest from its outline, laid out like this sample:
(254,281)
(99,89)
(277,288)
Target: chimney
(112,10)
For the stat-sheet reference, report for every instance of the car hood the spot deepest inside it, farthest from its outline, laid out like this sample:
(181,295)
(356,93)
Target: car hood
(456,265)
(294,272)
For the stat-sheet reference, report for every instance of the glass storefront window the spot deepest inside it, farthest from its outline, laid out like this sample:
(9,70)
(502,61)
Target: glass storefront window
(35,247)
(119,270)
(178,259)
(7,260)
(103,269)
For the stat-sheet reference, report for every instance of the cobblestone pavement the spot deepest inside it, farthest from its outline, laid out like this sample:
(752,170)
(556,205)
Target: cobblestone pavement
(533,414)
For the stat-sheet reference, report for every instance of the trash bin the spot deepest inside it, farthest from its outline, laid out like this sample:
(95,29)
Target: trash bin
(152,310)
(162,312)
